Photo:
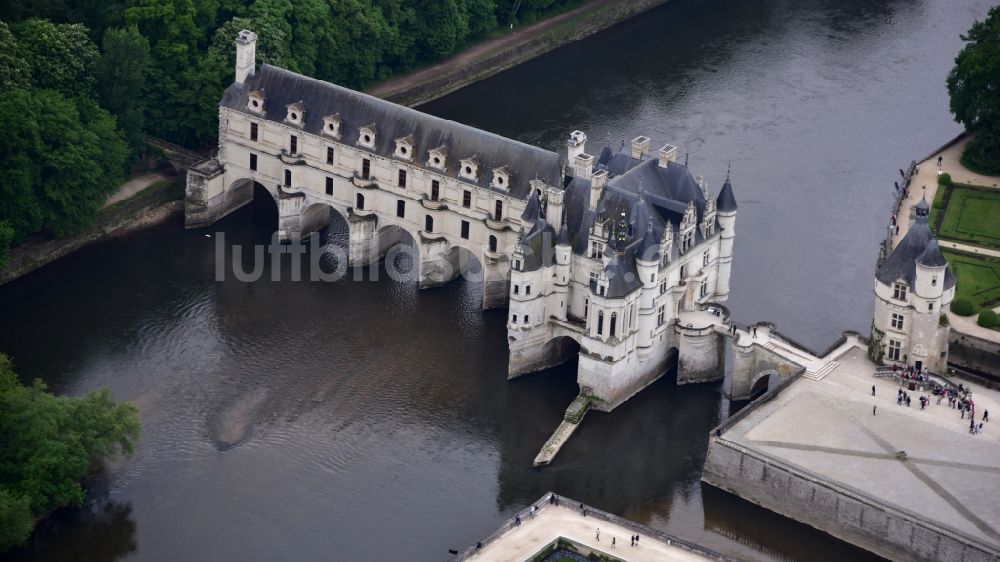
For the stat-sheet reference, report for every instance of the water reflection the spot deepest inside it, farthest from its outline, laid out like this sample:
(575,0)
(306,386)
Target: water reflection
(104,531)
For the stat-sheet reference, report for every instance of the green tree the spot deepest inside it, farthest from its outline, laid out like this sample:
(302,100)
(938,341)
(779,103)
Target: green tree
(121,80)
(15,72)
(6,236)
(61,56)
(50,445)
(973,85)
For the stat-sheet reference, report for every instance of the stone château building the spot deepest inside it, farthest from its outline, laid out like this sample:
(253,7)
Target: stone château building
(594,254)
(913,289)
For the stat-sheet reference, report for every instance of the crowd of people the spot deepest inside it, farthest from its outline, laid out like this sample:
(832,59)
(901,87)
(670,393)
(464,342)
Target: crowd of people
(957,397)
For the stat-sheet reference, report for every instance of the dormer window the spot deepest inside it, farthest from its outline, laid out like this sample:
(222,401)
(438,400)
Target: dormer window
(436,157)
(366,136)
(469,168)
(899,291)
(255,101)
(295,113)
(331,125)
(404,147)
(501,177)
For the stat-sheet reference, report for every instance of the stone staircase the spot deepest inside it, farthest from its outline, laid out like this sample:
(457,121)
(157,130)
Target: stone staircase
(822,371)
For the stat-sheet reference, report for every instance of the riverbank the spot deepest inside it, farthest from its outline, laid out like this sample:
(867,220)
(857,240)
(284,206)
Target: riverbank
(493,56)
(152,205)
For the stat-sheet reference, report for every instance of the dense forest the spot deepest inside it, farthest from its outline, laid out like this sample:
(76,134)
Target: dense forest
(84,81)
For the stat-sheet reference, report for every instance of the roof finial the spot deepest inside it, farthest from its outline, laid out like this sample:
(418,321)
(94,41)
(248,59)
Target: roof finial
(687,154)
(729,168)
(609,139)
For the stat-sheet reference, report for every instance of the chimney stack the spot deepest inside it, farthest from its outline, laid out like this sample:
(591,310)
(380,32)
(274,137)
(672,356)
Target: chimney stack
(640,146)
(583,165)
(246,55)
(667,154)
(597,182)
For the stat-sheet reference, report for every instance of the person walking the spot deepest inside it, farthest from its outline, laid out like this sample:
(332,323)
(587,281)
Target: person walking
(986,415)
(873,390)
(612,542)
(632,539)
(598,534)
(874,407)
(755,331)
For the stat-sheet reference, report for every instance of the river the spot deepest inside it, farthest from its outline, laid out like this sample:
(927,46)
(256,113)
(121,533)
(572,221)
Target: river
(367,420)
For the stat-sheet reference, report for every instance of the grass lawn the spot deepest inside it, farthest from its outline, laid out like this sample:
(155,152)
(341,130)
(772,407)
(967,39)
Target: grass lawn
(978,277)
(972,215)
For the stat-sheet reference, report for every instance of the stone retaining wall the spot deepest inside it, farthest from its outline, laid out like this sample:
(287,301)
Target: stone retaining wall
(974,353)
(838,510)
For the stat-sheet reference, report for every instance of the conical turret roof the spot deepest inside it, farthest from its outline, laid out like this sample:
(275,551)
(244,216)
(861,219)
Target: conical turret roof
(726,202)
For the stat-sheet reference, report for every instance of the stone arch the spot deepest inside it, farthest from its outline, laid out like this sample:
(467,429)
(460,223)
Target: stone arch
(561,349)
(317,215)
(263,200)
(401,250)
(762,381)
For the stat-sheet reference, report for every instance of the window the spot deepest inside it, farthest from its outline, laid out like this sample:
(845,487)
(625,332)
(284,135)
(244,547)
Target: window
(704,259)
(517,289)
(611,327)
(400,208)
(683,271)
(465,229)
(402,179)
(895,350)
(596,249)
(899,291)
(897,321)
(930,307)
(435,190)
(600,322)
(498,211)
(514,319)
(329,186)
(527,289)
(429,223)
(329,155)
(253,132)
(467,199)
(360,201)
(253,162)
(593,280)
(293,144)
(517,265)
(525,318)
(663,286)
(366,168)
(288,178)
(493,243)
(586,307)
(661,315)
(600,290)
(704,289)
(934,281)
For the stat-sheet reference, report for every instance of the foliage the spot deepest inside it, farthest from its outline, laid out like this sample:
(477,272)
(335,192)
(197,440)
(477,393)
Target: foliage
(61,56)
(6,236)
(971,216)
(988,319)
(121,80)
(962,306)
(51,443)
(15,72)
(972,86)
(944,179)
(978,277)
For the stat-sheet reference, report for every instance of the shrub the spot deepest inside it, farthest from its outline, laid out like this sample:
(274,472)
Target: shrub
(988,319)
(962,307)
(944,179)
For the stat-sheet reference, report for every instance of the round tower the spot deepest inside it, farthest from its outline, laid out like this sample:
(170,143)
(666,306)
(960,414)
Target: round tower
(725,205)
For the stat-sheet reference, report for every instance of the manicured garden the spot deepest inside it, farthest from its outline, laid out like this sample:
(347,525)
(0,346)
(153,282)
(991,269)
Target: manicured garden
(971,215)
(978,278)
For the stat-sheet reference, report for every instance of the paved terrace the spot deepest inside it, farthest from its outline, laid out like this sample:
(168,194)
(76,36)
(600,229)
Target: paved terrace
(520,543)
(826,427)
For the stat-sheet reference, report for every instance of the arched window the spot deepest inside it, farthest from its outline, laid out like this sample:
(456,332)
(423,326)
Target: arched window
(360,203)
(600,322)
(429,223)
(493,243)
(614,320)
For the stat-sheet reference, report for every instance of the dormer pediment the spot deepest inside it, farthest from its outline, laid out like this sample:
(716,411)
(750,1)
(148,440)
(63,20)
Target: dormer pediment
(469,168)
(501,177)
(331,125)
(366,136)
(296,112)
(255,101)
(437,157)
(404,147)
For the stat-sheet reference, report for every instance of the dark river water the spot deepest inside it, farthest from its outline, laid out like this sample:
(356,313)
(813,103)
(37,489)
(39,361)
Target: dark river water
(367,420)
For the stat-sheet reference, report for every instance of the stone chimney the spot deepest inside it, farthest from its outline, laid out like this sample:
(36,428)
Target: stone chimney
(667,154)
(640,146)
(575,145)
(246,55)
(597,182)
(583,164)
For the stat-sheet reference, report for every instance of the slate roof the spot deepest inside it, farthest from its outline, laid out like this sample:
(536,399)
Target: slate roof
(726,202)
(282,87)
(918,244)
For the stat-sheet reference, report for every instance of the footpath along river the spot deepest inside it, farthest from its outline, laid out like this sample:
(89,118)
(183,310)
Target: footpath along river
(363,420)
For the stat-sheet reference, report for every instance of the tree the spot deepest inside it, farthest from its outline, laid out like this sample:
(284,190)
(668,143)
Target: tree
(61,56)
(974,87)
(121,80)
(15,72)
(50,445)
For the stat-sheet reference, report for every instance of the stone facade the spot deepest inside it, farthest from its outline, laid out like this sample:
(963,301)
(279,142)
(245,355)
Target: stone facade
(913,289)
(596,256)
